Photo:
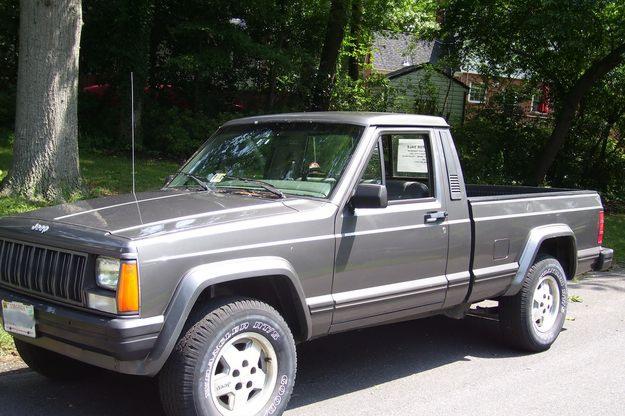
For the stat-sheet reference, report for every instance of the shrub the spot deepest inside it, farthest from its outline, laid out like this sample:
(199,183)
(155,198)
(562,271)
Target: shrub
(176,132)
(7,108)
(499,148)
(370,94)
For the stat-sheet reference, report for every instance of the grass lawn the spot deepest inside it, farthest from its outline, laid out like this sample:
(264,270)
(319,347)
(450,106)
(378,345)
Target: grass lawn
(615,236)
(104,175)
(6,344)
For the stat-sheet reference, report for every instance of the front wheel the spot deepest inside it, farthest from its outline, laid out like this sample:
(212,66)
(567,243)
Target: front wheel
(533,318)
(235,358)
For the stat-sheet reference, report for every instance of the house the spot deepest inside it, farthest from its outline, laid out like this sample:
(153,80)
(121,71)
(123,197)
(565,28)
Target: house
(418,86)
(483,89)
(425,89)
(404,60)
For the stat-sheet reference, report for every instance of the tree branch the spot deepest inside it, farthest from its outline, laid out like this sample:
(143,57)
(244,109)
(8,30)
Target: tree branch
(570,104)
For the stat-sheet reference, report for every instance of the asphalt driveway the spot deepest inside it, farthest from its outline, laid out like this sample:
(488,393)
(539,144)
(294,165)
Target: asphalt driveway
(433,366)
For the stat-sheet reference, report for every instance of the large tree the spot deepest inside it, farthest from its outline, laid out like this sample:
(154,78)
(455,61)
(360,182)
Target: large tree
(350,30)
(570,45)
(338,19)
(45,151)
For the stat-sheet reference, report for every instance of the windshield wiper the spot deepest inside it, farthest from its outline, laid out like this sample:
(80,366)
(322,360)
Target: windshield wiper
(265,185)
(197,179)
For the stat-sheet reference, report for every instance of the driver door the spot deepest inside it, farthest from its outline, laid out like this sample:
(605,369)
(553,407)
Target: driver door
(390,262)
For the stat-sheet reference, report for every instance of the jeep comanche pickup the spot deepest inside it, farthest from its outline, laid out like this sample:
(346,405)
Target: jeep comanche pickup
(278,230)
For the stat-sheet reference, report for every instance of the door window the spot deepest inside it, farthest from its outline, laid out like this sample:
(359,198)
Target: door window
(408,166)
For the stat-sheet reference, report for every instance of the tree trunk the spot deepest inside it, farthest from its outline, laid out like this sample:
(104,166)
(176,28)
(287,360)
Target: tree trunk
(335,32)
(353,65)
(45,151)
(564,119)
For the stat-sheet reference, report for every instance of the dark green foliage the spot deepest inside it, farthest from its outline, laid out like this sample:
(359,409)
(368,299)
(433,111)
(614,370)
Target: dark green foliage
(369,94)
(177,133)
(193,61)
(198,63)
(7,106)
(9,14)
(569,45)
(497,145)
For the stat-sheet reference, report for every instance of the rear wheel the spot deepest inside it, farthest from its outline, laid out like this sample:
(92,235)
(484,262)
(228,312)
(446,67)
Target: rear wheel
(533,318)
(50,364)
(235,358)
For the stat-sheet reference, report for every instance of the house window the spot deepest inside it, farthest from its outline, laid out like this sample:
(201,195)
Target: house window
(540,101)
(539,104)
(477,92)
(535,104)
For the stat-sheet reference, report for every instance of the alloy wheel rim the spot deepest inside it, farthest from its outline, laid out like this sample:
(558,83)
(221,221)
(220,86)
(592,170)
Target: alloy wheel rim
(244,375)
(545,303)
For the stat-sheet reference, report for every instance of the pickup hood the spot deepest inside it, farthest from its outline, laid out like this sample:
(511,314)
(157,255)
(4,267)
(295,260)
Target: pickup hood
(153,213)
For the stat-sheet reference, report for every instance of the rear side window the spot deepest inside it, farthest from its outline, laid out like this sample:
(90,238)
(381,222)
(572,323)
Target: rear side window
(408,166)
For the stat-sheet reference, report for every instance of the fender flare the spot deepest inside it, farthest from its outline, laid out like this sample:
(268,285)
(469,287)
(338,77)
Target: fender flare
(199,278)
(534,240)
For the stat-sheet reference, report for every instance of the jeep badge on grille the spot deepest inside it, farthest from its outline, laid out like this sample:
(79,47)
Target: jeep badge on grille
(40,228)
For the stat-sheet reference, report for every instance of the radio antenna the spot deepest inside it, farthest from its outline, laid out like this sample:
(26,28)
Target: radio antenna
(132,127)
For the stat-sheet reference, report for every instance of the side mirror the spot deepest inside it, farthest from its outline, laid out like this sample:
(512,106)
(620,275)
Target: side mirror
(369,195)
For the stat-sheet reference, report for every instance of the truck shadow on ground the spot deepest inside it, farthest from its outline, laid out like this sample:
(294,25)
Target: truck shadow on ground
(358,360)
(328,367)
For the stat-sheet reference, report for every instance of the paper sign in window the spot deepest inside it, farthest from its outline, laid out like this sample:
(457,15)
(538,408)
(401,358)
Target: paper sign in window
(411,156)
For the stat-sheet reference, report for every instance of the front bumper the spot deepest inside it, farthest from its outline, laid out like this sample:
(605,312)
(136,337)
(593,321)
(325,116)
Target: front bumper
(604,261)
(118,344)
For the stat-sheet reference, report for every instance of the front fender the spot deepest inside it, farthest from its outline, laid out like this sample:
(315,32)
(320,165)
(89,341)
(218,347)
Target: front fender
(198,279)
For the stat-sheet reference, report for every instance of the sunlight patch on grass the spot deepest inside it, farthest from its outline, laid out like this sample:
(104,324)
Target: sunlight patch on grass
(6,344)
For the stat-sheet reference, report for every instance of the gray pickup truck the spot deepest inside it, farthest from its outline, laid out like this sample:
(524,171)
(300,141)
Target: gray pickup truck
(278,230)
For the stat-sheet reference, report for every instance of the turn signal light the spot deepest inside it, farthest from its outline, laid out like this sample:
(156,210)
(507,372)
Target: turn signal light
(601,227)
(128,288)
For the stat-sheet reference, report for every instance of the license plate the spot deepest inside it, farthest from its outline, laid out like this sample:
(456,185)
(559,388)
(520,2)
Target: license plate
(19,318)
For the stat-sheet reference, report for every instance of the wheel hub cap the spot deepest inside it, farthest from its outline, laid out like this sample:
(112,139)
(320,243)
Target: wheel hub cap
(546,303)
(244,376)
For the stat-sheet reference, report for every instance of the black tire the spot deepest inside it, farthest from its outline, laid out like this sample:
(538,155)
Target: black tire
(184,381)
(52,365)
(515,312)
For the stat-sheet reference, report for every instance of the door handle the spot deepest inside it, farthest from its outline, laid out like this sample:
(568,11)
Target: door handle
(435,216)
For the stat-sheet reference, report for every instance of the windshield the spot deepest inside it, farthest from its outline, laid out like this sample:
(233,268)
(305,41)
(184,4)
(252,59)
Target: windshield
(305,159)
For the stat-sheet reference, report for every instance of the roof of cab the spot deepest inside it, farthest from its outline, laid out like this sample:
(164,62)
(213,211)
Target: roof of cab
(346,117)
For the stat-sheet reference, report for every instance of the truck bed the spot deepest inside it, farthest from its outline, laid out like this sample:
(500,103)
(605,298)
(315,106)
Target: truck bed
(501,217)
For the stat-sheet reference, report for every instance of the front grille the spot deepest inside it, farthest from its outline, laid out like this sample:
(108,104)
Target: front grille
(44,271)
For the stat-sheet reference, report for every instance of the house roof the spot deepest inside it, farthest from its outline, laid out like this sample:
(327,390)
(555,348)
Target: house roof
(395,51)
(413,68)
(348,117)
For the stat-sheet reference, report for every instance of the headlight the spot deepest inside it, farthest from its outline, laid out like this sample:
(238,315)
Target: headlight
(107,272)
